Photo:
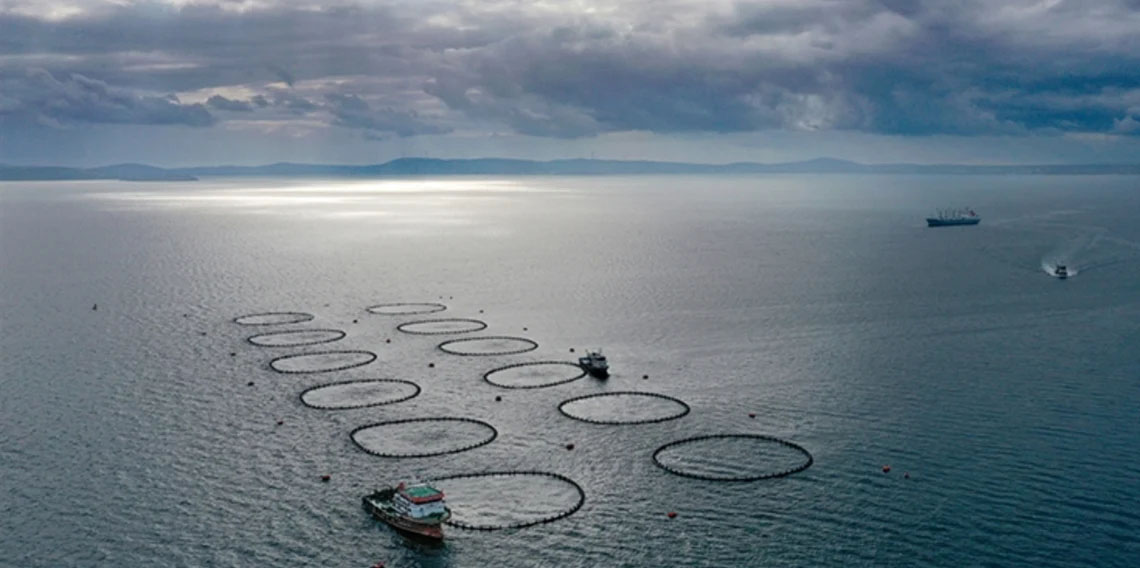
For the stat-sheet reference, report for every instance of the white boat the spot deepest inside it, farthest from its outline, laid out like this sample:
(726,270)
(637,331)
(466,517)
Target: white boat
(595,363)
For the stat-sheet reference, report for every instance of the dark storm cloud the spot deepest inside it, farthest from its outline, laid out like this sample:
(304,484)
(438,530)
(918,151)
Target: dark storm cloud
(353,112)
(910,67)
(40,96)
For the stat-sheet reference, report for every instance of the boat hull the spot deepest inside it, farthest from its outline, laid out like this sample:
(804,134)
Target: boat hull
(933,222)
(375,504)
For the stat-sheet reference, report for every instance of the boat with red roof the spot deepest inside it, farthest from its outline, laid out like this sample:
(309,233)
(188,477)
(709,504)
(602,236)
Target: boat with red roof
(417,509)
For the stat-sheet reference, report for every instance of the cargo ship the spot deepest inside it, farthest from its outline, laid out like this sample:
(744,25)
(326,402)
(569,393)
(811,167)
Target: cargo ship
(953,217)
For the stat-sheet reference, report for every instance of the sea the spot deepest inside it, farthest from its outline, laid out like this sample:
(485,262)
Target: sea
(961,406)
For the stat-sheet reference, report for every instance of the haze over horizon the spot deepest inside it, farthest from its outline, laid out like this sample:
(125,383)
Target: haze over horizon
(184,83)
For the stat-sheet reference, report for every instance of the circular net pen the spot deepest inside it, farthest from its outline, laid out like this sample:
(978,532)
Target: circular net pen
(534,374)
(488,346)
(344,395)
(405,308)
(726,457)
(321,361)
(273,318)
(422,437)
(624,408)
(442,326)
(498,500)
(296,338)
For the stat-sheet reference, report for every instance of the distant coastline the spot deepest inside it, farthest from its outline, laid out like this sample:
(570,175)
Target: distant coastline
(501,166)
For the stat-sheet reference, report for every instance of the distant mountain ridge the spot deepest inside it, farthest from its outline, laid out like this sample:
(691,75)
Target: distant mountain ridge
(506,166)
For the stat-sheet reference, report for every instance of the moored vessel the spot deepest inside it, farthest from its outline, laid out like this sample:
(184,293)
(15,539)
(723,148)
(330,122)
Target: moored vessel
(416,509)
(952,217)
(595,363)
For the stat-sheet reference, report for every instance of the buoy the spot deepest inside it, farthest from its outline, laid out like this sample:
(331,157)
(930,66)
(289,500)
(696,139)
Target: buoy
(480,311)
(326,477)
(249,384)
(94,307)
(672,514)
(431,365)
(752,415)
(645,376)
(569,446)
(571,349)
(498,399)
(886,469)
(524,329)
(185,315)
(906,475)
(355,321)
(280,422)
(232,354)
(387,341)
(201,333)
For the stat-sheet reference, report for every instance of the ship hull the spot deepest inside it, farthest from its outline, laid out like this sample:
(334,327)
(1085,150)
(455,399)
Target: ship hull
(375,505)
(932,222)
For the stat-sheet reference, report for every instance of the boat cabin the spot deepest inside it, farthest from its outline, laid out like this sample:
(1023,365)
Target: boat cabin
(418,501)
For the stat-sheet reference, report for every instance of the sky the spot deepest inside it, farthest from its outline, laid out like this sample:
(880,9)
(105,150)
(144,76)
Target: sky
(187,82)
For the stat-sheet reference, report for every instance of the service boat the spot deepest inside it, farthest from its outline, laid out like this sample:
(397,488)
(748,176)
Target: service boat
(595,363)
(953,217)
(1061,271)
(416,509)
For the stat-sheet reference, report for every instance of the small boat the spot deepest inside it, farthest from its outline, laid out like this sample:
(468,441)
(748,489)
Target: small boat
(416,509)
(1061,271)
(952,217)
(595,363)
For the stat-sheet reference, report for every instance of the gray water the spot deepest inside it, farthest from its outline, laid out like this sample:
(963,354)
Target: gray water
(820,304)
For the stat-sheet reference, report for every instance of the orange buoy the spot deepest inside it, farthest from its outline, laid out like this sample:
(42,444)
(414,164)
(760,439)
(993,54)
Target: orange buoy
(886,469)
(671,514)
(569,446)
(326,477)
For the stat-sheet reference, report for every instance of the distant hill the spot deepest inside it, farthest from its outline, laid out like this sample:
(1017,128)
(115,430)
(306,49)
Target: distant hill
(502,166)
(125,172)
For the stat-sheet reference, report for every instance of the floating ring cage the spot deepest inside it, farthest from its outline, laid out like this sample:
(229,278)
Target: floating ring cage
(495,345)
(442,326)
(344,395)
(631,405)
(531,368)
(360,436)
(273,318)
(405,308)
(296,337)
(498,496)
(791,449)
(321,361)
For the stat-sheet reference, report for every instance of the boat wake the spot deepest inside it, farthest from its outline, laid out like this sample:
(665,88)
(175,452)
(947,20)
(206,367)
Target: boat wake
(1077,249)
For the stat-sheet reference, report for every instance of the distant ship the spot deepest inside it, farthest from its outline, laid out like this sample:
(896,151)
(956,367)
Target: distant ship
(595,363)
(1061,271)
(415,509)
(952,217)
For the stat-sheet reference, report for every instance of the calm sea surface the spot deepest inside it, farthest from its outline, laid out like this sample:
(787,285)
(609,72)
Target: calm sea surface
(822,305)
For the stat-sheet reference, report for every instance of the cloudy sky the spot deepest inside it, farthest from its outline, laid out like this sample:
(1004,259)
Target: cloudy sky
(181,82)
